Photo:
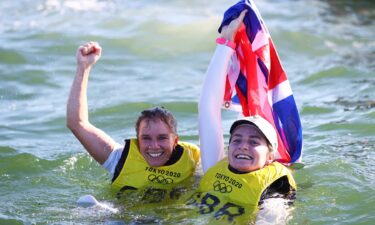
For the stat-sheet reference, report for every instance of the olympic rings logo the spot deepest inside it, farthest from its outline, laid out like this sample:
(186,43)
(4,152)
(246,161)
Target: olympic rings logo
(159,179)
(222,187)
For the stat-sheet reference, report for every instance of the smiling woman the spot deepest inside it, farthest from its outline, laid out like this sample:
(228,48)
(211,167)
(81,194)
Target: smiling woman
(157,137)
(156,144)
(249,148)
(233,187)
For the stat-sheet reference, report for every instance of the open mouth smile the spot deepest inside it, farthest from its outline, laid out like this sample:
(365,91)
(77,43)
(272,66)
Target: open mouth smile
(155,154)
(242,156)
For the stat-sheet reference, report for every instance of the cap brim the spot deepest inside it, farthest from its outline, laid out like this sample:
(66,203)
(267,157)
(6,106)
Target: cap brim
(240,122)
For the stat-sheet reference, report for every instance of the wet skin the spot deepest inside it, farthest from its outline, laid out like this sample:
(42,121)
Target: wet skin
(248,149)
(156,141)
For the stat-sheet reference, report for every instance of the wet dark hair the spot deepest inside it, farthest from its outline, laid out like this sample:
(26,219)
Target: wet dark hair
(158,112)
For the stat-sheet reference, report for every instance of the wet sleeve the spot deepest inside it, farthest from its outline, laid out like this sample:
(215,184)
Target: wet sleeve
(209,108)
(112,160)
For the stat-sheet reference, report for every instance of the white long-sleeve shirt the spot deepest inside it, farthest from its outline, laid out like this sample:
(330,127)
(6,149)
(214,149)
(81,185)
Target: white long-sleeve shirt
(210,103)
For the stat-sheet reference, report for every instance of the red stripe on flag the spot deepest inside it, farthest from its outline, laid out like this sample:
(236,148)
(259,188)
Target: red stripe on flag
(257,102)
(277,73)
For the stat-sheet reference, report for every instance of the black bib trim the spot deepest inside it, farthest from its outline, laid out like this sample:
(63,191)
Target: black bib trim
(122,160)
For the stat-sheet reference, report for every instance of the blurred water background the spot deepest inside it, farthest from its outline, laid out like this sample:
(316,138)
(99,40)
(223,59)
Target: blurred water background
(156,53)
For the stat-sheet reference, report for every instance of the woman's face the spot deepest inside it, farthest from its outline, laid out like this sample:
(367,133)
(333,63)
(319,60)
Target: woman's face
(248,149)
(156,141)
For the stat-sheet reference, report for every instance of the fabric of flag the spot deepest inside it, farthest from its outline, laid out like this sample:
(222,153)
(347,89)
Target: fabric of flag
(257,84)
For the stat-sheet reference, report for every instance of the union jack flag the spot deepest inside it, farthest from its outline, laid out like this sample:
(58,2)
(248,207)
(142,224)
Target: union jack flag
(257,84)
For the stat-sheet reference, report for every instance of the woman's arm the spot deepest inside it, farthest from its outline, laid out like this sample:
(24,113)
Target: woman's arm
(211,99)
(97,143)
(209,108)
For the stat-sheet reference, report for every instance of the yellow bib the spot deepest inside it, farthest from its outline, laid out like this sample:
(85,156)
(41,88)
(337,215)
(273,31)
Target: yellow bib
(136,173)
(228,194)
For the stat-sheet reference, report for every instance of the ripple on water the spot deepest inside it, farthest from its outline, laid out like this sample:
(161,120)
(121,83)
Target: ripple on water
(11,57)
(347,127)
(334,189)
(333,73)
(350,105)
(47,189)
(18,165)
(11,221)
(316,110)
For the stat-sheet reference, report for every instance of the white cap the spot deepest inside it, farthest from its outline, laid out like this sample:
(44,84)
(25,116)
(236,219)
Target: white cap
(263,125)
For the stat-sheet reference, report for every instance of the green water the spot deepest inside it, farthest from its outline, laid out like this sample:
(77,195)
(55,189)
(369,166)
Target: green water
(156,53)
